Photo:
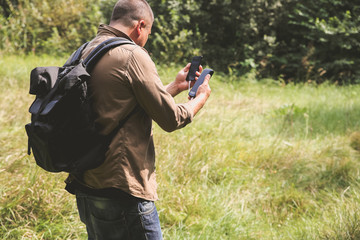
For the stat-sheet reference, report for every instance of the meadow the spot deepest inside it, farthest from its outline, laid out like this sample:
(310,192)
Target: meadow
(262,160)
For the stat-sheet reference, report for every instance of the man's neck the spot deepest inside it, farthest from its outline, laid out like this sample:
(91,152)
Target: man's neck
(121,28)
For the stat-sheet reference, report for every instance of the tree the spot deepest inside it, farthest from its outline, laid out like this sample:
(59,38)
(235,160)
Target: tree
(294,40)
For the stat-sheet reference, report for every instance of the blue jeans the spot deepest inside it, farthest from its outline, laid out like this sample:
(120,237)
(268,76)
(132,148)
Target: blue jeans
(107,219)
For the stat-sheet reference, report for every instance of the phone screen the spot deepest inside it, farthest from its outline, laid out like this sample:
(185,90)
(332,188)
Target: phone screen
(195,64)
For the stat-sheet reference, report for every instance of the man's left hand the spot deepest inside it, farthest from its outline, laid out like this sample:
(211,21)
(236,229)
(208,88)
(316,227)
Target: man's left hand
(180,79)
(180,84)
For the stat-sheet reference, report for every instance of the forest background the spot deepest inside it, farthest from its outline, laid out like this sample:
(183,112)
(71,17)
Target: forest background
(289,40)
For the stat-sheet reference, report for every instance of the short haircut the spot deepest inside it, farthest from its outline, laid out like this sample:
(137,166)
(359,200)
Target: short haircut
(128,11)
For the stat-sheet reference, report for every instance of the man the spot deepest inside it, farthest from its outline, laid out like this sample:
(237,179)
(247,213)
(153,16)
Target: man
(116,200)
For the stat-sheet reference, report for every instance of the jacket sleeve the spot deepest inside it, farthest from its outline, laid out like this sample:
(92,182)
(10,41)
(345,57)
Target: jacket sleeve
(152,95)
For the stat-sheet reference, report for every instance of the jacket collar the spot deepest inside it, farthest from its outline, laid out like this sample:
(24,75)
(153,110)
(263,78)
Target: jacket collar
(105,29)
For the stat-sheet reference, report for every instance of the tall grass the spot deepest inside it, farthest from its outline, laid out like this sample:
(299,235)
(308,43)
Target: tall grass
(260,161)
(32,202)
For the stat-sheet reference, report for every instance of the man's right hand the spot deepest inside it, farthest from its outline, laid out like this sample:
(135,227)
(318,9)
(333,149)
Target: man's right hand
(204,88)
(201,97)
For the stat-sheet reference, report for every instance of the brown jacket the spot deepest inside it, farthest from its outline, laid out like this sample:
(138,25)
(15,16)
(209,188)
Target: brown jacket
(124,79)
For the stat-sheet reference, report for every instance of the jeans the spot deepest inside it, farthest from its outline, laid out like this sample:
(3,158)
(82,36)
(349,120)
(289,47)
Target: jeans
(107,219)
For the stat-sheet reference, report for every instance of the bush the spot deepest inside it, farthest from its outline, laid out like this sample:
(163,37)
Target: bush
(47,26)
(316,41)
(292,40)
(175,38)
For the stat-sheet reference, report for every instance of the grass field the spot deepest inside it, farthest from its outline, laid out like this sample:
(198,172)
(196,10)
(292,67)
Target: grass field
(260,161)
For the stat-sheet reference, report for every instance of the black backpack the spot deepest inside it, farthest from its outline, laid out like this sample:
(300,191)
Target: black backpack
(62,133)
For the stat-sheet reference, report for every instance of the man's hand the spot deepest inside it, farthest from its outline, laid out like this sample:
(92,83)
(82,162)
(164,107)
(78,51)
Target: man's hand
(180,79)
(204,88)
(180,84)
(201,97)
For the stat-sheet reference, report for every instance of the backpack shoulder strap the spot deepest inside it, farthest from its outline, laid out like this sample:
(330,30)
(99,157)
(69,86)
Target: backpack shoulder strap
(92,59)
(102,48)
(76,56)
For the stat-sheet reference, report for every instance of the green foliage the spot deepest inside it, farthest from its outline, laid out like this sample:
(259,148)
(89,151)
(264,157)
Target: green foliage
(290,40)
(297,41)
(176,38)
(316,41)
(106,8)
(55,27)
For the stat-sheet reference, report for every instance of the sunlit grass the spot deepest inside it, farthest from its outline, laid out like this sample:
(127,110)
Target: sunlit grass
(260,161)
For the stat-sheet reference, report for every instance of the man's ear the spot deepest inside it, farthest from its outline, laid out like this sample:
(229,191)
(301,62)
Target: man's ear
(140,26)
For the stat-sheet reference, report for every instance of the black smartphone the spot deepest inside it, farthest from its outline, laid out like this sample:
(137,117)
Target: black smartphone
(195,64)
